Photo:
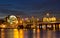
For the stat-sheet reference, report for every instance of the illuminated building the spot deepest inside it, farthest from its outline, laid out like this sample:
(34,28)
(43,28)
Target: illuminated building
(12,20)
(49,19)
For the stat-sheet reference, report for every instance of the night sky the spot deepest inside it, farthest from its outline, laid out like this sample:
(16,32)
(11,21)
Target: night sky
(29,7)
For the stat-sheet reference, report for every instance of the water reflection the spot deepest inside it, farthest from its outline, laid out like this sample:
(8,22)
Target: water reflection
(9,33)
(21,33)
(38,33)
(25,34)
(15,33)
(2,33)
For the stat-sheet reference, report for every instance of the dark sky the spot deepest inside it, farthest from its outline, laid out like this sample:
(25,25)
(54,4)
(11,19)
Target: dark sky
(29,7)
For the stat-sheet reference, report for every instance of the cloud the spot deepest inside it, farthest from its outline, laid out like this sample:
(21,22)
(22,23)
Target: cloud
(30,7)
(13,12)
(6,5)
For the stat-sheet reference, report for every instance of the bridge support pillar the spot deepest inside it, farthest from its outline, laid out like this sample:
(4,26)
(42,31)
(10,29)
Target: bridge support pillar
(46,26)
(51,26)
(57,26)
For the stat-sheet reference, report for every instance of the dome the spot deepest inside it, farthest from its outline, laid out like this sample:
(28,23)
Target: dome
(12,19)
(50,19)
(12,16)
(53,19)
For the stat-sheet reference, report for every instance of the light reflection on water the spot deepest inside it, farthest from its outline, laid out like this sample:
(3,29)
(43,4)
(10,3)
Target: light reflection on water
(15,33)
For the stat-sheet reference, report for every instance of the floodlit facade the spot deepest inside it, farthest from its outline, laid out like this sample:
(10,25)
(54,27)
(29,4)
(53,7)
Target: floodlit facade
(12,19)
(49,19)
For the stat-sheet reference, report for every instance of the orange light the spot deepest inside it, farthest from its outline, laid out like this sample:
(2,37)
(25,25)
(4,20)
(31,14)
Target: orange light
(21,33)
(21,21)
(16,35)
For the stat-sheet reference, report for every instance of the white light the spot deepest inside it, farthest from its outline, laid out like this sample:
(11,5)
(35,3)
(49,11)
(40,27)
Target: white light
(47,14)
(12,16)
(12,19)
(43,26)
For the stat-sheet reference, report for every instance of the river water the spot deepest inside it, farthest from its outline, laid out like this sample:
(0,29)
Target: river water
(24,33)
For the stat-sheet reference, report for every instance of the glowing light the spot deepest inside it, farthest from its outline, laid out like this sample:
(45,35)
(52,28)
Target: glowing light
(47,14)
(12,16)
(26,18)
(49,26)
(37,19)
(21,21)
(45,19)
(50,19)
(59,26)
(53,19)
(38,30)
(16,33)
(3,26)
(12,19)
(21,33)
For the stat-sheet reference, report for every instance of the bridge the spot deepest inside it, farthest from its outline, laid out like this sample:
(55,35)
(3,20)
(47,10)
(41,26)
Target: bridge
(42,25)
(38,25)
